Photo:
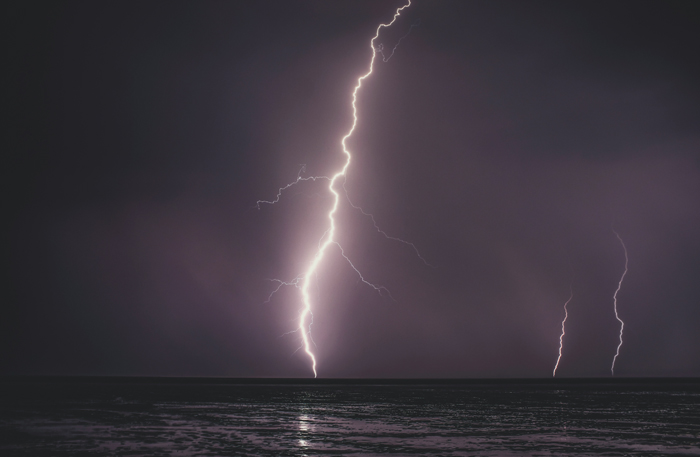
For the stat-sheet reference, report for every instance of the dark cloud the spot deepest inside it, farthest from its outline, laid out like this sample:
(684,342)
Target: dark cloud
(505,139)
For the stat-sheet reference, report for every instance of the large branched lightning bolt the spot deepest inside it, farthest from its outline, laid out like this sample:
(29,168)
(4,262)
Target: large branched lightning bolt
(303,281)
(619,285)
(561,337)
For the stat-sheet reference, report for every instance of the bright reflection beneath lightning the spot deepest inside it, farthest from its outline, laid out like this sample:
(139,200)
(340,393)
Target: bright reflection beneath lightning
(303,282)
(619,286)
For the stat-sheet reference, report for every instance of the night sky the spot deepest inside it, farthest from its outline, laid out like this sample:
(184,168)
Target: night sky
(505,139)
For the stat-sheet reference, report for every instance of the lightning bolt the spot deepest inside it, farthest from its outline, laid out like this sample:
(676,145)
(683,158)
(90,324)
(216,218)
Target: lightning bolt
(293,183)
(383,233)
(380,48)
(561,337)
(303,282)
(619,285)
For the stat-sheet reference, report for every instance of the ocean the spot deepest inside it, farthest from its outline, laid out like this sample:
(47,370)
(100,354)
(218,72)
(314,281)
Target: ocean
(283,417)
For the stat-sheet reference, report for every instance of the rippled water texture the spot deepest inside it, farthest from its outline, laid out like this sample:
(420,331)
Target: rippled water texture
(60,418)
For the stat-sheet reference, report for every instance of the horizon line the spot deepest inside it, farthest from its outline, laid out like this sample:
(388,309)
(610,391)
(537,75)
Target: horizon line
(135,379)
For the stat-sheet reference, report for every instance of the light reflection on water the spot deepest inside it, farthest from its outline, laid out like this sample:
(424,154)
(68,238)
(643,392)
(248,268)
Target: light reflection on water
(306,427)
(446,420)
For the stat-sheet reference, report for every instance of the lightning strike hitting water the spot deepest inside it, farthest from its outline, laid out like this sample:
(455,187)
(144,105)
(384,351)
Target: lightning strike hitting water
(561,337)
(619,285)
(328,237)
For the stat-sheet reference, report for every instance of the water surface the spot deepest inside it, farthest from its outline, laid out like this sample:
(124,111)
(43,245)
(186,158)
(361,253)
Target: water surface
(129,417)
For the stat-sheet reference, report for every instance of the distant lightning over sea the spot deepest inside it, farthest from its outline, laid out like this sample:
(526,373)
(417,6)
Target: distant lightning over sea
(561,337)
(619,286)
(303,281)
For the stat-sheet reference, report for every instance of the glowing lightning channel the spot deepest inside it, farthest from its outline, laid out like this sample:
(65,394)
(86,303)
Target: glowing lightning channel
(561,337)
(619,285)
(328,237)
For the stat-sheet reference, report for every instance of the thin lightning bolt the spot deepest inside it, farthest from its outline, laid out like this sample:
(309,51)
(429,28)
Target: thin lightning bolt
(619,285)
(379,289)
(328,237)
(293,183)
(380,48)
(280,284)
(386,235)
(561,337)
